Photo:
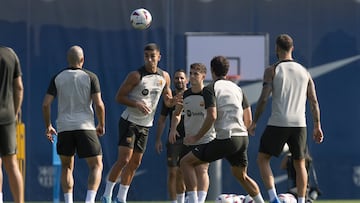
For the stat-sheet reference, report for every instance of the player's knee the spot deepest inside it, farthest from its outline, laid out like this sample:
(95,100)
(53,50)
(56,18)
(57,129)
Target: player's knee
(133,164)
(121,162)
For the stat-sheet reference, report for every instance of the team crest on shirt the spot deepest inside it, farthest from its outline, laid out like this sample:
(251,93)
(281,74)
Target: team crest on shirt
(202,104)
(160,82)
(145,92)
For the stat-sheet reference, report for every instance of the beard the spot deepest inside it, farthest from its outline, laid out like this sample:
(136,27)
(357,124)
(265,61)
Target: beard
(179,87)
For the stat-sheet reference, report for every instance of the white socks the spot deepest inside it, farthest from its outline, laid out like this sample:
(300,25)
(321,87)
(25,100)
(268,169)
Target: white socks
(301,199)
(258,198)
(180,198)
(201,196)
(192,196)
(122,194)
(68,198)
(272,194)
(90,196)
(109,189)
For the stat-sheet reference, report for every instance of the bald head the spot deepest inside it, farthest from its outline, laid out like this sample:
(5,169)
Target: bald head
(75,57)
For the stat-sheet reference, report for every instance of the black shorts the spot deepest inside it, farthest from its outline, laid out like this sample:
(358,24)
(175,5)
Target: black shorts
(185,150)
(132,135)
(234,150)
(84,142)
(173,153)
(274,138)
(8,139)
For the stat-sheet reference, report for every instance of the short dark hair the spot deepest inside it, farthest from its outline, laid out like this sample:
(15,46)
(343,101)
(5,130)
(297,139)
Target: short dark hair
(284,42)
(198,66)
(180,70)
(151,47)
(220,65)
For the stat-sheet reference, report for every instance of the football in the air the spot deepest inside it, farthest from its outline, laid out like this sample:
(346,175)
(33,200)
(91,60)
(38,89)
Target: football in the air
(287,198)
(140,19)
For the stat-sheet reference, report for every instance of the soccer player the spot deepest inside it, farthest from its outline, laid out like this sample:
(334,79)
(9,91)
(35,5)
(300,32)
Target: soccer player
(291,86)
(228,111)
(12,92)
(194,115)
(140,92)
(77,90)
(175,182)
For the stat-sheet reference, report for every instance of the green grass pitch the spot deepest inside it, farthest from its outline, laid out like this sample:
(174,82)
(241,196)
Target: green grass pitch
(317,201)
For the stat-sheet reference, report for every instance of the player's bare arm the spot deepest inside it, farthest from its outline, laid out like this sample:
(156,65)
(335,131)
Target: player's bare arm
(122,96)
(211,115)
(265,93)
(247,117)
(176,117)
(314,105)
(46,110)
(167,94)
(132,79)
(100,113)
(18,94)
(264,96)
(315,111)
(159,131)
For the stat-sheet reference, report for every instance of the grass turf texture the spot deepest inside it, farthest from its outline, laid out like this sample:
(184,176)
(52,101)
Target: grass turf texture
(317,201)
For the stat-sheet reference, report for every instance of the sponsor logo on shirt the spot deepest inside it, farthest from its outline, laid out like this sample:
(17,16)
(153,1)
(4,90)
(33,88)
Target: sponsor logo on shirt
(190,113)
(145,92)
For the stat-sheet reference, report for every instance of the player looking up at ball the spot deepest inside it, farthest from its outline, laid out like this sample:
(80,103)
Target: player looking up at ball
(140,92)
(77,91)
(290,85)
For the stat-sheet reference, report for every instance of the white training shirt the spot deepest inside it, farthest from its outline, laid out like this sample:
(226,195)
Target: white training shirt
(194,116)
(289,95)
(230,101)
(73,88)
(148,90)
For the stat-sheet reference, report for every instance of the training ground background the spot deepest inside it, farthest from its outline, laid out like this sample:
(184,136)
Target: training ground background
(327,42)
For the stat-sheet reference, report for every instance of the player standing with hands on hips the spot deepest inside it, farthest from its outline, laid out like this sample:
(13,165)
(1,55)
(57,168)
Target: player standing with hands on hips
(291,86)
(140,92)
(77,91)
